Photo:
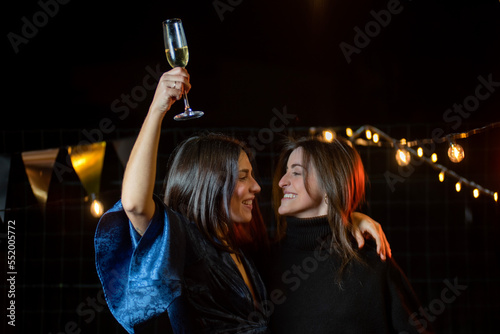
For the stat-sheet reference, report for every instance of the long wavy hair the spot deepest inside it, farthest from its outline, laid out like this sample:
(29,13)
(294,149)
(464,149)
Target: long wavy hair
(201,176)
(341,177)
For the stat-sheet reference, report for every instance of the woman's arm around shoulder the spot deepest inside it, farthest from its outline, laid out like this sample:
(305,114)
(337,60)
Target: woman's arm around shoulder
(364,226)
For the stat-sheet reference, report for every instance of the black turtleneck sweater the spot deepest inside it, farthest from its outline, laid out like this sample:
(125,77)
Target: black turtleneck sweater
(373,296)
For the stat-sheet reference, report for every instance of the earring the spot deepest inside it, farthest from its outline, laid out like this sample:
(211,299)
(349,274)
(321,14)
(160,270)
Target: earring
(326,199)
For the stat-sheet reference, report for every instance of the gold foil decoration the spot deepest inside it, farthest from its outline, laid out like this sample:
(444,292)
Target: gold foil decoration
(123,147)
(87,161)
(39,166)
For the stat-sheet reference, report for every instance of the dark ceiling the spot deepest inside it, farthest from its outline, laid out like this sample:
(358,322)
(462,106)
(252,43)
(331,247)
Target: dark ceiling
(250,57)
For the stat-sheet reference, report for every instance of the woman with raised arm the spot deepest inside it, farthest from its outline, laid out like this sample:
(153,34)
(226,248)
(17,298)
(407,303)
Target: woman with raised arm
(180,256)
(321,281)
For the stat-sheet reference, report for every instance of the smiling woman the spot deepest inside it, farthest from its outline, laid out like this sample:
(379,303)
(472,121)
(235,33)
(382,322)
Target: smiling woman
(300,199)
(328,284)
(244,192)
(181,257)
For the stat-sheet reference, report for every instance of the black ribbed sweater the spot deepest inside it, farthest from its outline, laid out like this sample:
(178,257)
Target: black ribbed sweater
(374,296)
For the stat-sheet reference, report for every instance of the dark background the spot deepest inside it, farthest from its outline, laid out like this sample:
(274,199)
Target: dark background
(261,55)
(248,59)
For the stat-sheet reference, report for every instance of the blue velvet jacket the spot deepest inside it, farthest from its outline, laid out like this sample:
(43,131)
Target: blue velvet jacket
(174,269)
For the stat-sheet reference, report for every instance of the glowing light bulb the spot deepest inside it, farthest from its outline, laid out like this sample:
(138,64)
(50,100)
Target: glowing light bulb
(348,132)
(456,153)
(368,134)
(434,157)
(96,208)
(403,157)
(376,138)
(441,177)
(495,196)
(476,193)
(328,136)
(458,187)
(420,152)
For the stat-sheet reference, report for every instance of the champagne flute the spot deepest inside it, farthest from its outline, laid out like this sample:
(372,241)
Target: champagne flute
(177,52)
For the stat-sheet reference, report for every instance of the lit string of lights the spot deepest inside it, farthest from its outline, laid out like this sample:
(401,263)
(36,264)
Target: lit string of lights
(373,136)
(405,151)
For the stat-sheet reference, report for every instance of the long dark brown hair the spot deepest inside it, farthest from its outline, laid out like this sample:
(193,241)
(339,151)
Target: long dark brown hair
(341,177)
(201,176)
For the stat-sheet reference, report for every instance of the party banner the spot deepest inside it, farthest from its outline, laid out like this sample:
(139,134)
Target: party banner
(4,183)
(87,161)
(39,166)
(123,147)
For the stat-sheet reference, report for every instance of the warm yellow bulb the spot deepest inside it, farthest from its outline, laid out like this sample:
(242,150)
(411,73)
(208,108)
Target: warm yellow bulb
(96,208)
(434,157)
(368,134)
(441,177)
(420,152)
(476,193)
(376,138)
(495,196)
(403,157)
(328,136)
(456,153)
(458,187)
(348,132)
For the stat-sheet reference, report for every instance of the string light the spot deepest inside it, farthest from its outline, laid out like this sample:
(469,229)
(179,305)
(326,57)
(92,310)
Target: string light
(461,135)
(403,157)
(456,153)
(96,208)
(441,176)
(328,136)
(405,151)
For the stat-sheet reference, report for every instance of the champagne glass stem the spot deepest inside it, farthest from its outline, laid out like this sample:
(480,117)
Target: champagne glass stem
(187,108)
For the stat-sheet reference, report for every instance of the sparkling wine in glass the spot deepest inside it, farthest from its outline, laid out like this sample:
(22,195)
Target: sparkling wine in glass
(177,52)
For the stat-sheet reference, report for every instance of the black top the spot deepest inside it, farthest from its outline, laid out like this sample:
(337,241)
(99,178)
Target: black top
(304,296)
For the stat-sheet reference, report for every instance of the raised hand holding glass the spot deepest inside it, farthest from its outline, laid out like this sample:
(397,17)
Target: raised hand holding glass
(177,52)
